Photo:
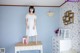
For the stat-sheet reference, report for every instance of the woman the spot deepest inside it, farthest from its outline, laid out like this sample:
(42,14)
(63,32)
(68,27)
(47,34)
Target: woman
(31,23)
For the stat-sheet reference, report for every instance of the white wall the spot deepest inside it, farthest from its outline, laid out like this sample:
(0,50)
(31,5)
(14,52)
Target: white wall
(74,26)
(79,26)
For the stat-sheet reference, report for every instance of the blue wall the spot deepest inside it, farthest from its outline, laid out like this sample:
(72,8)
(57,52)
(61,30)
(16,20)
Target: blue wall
(12,26)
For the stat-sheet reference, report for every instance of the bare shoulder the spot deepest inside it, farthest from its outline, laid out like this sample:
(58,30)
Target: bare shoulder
(35,15)
(27,14)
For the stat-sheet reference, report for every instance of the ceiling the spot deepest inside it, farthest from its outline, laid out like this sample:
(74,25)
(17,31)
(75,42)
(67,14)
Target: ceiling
(33,2)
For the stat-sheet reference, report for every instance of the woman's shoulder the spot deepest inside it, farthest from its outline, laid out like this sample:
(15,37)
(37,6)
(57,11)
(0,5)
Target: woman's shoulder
(35,15)
(27,14)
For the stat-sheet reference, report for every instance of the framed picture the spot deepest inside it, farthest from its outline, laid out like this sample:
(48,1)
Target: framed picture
(66,13)
(72,20)
(71,15)
(68,17)
(66,20)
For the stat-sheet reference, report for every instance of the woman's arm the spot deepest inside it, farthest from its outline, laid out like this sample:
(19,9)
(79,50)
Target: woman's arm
(34,24)
(27,24)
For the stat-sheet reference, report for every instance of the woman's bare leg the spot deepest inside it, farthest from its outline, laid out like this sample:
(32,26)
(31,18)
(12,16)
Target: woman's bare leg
(36,39)
(28,39)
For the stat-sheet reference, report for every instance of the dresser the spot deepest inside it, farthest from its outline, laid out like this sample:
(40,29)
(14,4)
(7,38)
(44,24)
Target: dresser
(61,45)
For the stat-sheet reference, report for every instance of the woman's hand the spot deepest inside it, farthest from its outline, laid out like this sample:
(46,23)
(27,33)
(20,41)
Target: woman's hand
(34,24)
(27,27)
(33,27)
